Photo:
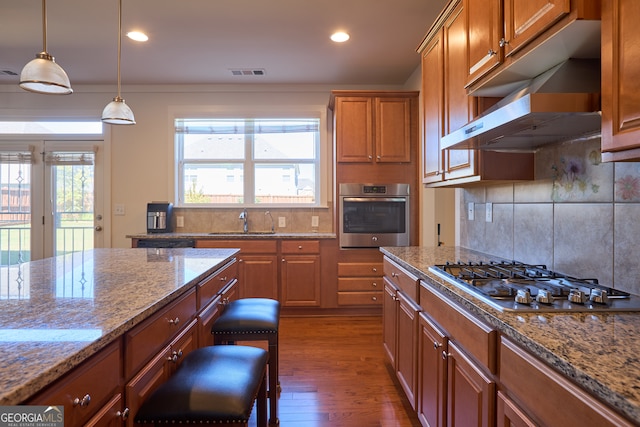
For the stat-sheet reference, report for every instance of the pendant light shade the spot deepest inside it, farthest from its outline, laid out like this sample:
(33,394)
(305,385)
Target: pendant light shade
(43,75)
(117,112)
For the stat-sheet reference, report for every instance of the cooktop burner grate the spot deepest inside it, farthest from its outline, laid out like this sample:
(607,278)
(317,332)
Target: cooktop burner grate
(513,285)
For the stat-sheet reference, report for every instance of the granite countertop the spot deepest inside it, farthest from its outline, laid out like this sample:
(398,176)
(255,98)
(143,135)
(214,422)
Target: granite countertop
(56,312)
(233,235)
(597,350)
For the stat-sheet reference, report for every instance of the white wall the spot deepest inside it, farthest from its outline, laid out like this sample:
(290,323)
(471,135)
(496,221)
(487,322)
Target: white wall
(141,155)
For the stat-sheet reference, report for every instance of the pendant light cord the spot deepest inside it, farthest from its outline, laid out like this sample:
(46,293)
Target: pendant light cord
(44,25)
(119,41)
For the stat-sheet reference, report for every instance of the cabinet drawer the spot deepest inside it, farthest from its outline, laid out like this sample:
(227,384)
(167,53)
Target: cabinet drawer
(146,339)
(360,269)
(477,339)
(539,390)
(257,246)
(300,246)
(405,281)
(106,366)
(213,285)
(360,298)
(359,284)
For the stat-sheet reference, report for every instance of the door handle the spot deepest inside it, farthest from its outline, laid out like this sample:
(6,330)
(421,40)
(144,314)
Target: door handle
(98,228)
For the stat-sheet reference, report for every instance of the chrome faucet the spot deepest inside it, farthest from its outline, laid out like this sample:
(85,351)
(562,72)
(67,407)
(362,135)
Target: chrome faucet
(244,217)
(273,228)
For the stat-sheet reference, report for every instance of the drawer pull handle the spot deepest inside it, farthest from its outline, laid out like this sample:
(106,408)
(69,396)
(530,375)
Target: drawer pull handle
(124,414)
(374,298)
(445,355)
(174,321)
(375,270)
(374,284)
(82,402)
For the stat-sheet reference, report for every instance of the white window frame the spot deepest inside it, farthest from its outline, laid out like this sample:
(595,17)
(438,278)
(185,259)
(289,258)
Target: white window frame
(322,162)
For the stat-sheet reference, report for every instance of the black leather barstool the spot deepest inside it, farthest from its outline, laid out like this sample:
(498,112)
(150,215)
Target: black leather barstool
(212,385)
(253,319)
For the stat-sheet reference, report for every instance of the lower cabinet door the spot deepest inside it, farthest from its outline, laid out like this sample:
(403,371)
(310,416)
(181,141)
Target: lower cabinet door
(508,414)
(406,363)
(471,393)
(432,373)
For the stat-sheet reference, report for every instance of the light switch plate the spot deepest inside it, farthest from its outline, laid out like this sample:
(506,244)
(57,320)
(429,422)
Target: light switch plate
(118,209)
(489,213)
(315,221)
(470,211)
(179,221)
(282,222)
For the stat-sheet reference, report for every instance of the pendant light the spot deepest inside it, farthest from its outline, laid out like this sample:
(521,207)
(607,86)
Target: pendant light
(43,75)
(117,112)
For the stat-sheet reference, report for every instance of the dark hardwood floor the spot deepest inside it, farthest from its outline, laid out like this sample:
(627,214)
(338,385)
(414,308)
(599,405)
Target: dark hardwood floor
(333,374)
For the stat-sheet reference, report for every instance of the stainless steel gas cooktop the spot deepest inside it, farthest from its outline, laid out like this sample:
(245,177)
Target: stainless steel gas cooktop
(515,286)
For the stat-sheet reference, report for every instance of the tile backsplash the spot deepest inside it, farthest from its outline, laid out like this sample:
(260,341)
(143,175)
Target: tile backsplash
(296,220)
(580,216)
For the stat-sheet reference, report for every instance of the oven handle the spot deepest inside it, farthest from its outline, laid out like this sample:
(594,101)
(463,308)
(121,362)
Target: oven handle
(374,199)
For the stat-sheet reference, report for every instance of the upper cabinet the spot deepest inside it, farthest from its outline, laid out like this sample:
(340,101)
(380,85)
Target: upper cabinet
(447,107)
(510,41)
(620,83)
(373,127)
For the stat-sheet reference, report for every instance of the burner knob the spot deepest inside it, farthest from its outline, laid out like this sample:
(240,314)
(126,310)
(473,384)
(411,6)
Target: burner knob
(599,296)
(577,296)
(523,296)
(544,297)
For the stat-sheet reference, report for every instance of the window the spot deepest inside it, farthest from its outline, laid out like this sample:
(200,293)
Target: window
(248,161)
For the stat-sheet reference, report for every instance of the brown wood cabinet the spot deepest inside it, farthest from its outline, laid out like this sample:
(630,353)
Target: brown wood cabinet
(401,326)
(620,83)
(372,128)
(432,373)
(360,281)
(81,394)
(537,398)
(469,350)
(503,34)
(300,273)
(257,265)
(447,107)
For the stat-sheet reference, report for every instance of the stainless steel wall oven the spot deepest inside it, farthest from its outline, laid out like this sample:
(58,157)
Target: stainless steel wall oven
(374,215)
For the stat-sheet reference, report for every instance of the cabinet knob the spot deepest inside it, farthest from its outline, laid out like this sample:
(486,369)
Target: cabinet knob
(378,157)
(300,247)
(82,402)
(223,279)
(375,270)
(123,414)
(284,260)
(370,157)
(436,345)
(503,42)
(374,298)
(491,52)
(445,355)
(175,321)
(374,284)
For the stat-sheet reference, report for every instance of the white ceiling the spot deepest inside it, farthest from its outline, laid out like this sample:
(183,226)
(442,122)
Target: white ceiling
(199,41)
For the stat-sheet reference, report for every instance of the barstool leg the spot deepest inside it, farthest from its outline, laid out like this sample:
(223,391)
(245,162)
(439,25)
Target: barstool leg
(273,379)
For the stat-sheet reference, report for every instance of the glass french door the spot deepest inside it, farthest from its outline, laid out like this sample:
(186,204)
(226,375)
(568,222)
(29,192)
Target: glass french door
(49,199)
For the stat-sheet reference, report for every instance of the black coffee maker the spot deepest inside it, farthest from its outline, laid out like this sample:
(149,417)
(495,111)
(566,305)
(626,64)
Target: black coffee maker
(159,217)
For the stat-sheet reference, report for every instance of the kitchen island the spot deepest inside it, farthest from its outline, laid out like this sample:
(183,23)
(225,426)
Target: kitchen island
(55,313)
(598,351)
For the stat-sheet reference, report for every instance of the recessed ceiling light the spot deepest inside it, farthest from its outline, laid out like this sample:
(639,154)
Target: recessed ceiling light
(137,36)
(340,37)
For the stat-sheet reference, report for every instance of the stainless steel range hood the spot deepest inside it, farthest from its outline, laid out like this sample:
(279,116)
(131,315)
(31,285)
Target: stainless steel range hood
(560,104)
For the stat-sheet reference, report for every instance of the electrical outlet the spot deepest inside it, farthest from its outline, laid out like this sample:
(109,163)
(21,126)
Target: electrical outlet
(315,221)
(118,209)
(179,221)
(489,212)
(470,211)
(282,222)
